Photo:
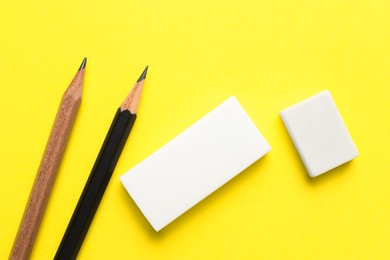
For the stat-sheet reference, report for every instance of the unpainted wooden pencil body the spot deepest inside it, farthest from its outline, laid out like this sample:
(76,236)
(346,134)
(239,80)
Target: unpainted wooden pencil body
(48,169)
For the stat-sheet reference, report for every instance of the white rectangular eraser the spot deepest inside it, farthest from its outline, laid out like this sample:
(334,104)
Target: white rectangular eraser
(195,163)
(319,133)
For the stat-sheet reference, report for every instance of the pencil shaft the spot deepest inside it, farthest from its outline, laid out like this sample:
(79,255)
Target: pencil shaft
(96,185)
(48,170)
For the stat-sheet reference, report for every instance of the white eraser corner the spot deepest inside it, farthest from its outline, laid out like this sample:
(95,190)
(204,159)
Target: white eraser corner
(194,164)
(319,133)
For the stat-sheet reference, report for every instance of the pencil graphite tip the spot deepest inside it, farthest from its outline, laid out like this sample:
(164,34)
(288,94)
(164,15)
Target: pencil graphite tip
(83,64)
(143,75)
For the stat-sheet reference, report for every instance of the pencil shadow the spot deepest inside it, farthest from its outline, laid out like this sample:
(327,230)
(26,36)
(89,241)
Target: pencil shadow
(198,209)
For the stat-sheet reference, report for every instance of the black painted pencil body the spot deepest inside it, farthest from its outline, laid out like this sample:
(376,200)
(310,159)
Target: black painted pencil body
(96,185)
(100,174)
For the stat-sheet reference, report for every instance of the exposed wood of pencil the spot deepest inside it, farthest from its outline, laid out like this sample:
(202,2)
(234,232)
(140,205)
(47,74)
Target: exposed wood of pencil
(48,169)
(131,102)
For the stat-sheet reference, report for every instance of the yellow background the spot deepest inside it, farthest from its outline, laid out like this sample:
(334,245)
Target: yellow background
(269,54)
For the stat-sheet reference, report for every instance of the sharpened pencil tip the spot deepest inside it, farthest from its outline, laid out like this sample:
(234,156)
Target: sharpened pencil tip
(83,64)
(143,75)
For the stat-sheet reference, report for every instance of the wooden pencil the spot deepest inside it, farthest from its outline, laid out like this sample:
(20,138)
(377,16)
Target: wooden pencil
(49,167)
(101,173)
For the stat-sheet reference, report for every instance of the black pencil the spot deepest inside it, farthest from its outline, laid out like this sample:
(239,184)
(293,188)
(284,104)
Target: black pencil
(101,173)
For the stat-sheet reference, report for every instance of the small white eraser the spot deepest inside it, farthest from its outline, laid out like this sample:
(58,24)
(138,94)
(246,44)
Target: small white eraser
(319,133)
(195,163)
